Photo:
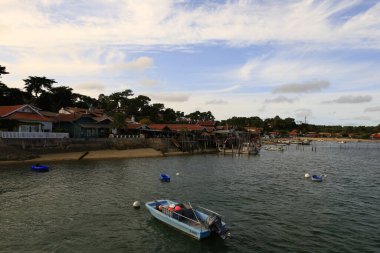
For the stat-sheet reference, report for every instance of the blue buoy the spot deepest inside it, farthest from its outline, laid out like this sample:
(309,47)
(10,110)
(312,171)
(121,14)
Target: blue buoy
(39,168)
(164,177)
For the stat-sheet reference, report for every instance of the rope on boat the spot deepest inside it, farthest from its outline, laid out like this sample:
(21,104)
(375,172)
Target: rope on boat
(194,213)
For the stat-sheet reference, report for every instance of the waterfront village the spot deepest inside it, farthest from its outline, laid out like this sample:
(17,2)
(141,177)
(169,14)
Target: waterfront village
(26,127)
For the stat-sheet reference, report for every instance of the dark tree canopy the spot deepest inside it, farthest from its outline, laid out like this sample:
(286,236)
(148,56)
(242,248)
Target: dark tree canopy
(37,85)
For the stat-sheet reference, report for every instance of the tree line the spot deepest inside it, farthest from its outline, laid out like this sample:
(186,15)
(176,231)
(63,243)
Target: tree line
(40,91)
(45,94)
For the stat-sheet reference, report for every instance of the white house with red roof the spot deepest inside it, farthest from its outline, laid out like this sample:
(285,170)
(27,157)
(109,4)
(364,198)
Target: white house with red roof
(26,121)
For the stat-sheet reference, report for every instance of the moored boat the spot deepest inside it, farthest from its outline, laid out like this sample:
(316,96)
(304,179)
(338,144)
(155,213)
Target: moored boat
(198,223)
(39,168)
(317,178)
(164,177)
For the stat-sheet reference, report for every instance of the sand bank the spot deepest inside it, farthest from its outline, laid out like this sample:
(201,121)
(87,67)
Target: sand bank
(91,155)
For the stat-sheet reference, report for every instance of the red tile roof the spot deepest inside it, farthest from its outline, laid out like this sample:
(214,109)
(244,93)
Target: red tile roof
(5,110)
(28,116)
(134,125)
(208,123)
(158,126)
(68,117)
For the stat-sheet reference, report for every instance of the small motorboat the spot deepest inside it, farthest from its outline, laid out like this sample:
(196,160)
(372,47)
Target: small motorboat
(197,222)
(164,177)
(317,178)
(39,168)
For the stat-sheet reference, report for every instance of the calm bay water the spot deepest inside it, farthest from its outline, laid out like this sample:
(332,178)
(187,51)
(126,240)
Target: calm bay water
(85,206)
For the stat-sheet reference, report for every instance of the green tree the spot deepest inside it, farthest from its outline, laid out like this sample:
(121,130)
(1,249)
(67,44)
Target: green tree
(169,115)
(56,98)
(12,96)
(37,85)
(118,120)
(83,101)
(3,72)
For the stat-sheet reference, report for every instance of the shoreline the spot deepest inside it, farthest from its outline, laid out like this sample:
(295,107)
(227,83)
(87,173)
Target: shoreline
(92,155)
(101,154)
(143,152)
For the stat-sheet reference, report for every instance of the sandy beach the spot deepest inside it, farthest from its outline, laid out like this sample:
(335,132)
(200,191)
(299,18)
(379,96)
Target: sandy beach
(91,155)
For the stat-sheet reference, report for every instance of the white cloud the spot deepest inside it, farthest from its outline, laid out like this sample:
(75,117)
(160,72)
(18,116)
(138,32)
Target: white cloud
(175,23)
(280,99)
(170,97)
(312,86)
(90,86)
(216,102)
(372,109)
(350,99)
(140,64)
(148,82)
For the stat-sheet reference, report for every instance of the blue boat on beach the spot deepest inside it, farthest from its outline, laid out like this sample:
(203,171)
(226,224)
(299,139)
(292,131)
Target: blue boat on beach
(198,223)
(317,178)
(164,177)
(39,168)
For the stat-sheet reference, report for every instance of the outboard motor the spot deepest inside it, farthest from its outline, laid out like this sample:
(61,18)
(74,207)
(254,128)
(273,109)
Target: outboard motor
(214,223)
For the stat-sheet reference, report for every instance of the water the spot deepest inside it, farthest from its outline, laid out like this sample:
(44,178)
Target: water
(86,206)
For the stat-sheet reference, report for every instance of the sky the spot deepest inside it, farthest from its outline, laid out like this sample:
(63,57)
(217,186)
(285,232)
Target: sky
(314,61)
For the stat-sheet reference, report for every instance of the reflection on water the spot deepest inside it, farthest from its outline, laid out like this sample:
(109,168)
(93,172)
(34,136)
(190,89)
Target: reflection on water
(86,206)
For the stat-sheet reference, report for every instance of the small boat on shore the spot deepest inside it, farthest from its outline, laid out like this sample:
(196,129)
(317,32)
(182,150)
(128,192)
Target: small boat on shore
(198,223)
(317,178)
(164,177)
(39,168)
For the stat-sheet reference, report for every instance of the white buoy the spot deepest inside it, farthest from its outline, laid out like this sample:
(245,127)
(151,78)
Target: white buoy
(177,173)
(307,175)
(136,204)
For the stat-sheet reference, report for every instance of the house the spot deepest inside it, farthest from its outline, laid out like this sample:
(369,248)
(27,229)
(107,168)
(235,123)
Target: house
(375,136)
(82,123)
(170,130)
(26,118)
(312,135)
(294,133)
(26,121)
(325,134)
(210,125)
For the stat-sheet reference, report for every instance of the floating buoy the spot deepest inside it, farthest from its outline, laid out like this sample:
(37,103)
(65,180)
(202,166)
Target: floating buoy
(307,175)
(177,173)
(136,204)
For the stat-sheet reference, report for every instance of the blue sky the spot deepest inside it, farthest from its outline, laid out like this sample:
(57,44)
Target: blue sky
(313,59)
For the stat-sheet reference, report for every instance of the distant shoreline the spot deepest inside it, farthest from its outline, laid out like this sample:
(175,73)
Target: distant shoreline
(337,139)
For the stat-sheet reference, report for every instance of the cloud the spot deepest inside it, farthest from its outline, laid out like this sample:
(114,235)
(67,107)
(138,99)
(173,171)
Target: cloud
(228,89)
(246,70)
(216,102)
(237,23)
(350,100)
(303,113)
(280,99)
(306,87)
(140,64)
(148,82)
(372,109)
(170,97)
(90,86)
